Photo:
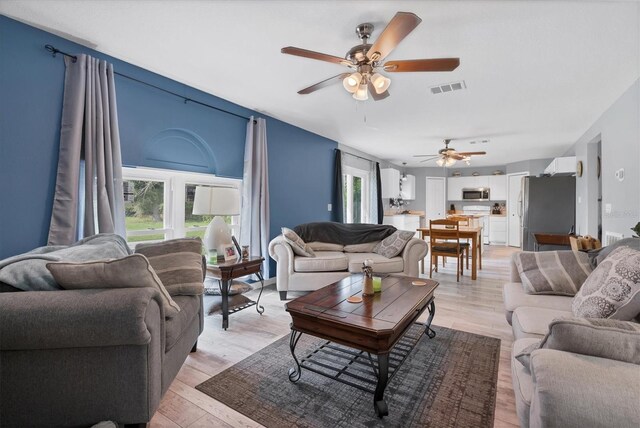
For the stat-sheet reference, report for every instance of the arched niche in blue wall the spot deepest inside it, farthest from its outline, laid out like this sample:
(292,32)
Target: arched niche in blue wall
(179,149)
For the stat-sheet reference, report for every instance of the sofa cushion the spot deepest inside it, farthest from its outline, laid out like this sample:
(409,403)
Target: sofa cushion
(175,327)
(613,289)
(325,246)
(298,246)
(522,382)
(604,338)
(324,261)
(178,264)
(367,247)
(534,322)
(381,264)
(514,297)
(128,272)
(393,245)
(552,272)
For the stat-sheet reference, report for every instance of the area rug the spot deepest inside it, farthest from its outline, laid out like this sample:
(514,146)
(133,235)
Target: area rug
(448,381)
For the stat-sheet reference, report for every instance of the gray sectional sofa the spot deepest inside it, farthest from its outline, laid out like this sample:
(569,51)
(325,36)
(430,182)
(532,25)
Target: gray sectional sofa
(577,383)
(78,357)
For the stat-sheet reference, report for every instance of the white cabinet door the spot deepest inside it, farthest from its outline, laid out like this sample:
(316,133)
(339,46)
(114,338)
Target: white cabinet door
(498,230)
(480,181)
(454,188)
(498,187)
(390,179)
(409,188)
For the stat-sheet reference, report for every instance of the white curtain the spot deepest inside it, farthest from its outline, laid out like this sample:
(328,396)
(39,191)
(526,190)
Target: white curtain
(88,196)
(255,192)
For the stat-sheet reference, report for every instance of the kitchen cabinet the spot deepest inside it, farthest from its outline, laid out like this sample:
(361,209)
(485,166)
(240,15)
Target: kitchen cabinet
(498,229)
(390,180)
(562,166)
(456,184)
(403,222)
(409,188)
(498,187)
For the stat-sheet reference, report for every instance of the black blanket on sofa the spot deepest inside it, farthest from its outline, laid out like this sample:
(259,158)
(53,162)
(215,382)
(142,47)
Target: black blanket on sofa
(345,234)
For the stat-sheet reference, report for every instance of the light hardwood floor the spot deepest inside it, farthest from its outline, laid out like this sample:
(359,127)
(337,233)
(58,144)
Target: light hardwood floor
(473,306)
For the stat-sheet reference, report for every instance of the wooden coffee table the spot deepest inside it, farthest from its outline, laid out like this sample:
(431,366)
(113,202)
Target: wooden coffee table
(355,331)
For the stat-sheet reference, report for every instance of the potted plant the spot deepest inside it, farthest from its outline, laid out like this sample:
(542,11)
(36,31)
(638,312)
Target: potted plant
(636,229)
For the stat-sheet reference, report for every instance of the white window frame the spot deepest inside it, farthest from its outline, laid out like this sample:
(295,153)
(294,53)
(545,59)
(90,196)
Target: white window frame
(365,176)
(175,183)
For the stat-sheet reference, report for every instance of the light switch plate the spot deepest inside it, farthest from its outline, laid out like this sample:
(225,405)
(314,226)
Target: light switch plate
(329,207)
(608,208)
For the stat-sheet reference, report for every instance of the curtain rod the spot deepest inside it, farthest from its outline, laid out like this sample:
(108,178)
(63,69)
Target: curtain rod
(55,51)
(356,156)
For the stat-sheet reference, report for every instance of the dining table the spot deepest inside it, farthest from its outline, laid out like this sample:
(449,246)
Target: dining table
(474,234)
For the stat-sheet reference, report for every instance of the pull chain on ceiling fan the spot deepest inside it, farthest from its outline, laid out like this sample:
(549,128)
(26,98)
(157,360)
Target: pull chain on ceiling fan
(366,60)
(449,156)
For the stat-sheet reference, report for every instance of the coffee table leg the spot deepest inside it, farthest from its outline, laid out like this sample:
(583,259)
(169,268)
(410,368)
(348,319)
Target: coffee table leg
(259,308)
(294,372)
(383,376)
(427,326)
(224,290)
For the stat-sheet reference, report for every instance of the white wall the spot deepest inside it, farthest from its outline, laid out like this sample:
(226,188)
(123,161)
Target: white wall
(619,130)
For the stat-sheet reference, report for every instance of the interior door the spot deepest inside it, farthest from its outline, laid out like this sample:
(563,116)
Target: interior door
(436,199)
(514,208)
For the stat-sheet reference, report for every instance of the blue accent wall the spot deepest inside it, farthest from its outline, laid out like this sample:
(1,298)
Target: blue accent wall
(151,121)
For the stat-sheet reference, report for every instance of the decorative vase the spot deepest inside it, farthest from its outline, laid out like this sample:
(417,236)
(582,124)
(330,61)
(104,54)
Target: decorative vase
(367,280)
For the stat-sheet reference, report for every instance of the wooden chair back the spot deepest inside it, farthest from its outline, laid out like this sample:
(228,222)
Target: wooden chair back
(462,220)
(584,243)
(445,233)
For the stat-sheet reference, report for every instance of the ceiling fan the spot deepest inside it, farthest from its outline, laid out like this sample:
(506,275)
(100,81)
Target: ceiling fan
(449,156)
(366,60)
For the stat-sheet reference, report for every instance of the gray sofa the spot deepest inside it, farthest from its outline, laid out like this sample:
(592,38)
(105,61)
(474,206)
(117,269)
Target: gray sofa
(77,357)
(562,388)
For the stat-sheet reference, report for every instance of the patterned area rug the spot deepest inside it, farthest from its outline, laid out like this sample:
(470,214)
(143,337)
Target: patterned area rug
(448,381)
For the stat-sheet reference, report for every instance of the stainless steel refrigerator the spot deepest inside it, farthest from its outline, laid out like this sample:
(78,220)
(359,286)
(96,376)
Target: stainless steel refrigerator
(547,205)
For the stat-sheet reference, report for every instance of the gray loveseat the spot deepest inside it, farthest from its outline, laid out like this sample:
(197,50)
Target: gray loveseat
(575,384)
(77,357)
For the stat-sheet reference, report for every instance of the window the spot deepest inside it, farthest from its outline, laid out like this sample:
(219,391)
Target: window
(355,194)
(159,204)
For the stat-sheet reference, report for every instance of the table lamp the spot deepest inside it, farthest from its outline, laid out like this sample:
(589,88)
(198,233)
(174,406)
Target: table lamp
(219,202)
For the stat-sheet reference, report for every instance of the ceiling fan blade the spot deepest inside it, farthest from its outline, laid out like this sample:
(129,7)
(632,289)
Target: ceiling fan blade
(434,64)
(396,30)
(424,156)
(327,82)
(290,50)
(472,153)
(430,159)
(457,156)
(376,96)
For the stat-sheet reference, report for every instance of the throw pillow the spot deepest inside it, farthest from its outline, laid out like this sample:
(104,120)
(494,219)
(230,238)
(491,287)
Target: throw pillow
(393,245)
(297,244)
(604,338)
(178,264)
(613,288)
(552,272)
(128,272)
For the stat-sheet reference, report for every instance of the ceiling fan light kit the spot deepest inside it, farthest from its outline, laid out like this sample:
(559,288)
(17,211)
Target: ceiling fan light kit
(367,60)
(449,156)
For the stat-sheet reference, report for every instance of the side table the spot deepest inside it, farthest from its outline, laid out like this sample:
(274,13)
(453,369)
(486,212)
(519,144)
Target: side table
(232,269)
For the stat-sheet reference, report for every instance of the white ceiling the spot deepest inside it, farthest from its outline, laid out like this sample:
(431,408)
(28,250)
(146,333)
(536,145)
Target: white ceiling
(539,73)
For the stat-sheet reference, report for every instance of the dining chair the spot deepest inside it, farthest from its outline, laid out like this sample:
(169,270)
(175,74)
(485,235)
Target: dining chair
(444,240)
(465,244)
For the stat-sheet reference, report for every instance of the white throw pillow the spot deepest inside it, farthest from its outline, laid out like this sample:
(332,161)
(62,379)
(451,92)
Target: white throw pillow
(297,244)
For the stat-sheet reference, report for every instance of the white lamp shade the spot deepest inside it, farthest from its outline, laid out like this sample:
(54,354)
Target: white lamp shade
(380,83)
(361,94)
(352,82)
(216,201)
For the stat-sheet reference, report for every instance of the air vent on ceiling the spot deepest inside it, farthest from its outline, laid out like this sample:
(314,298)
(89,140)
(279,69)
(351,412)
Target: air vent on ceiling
(483,141)
(449,87)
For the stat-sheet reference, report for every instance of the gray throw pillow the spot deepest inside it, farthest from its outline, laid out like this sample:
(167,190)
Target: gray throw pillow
(178,264)
(133,271)
(297,244)
(552,272)
(604,338)
(613,288)
(393,244)
(597,256)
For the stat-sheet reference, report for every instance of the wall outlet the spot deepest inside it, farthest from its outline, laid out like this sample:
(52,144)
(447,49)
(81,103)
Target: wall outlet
(608,208)
(579,199)
(329,207)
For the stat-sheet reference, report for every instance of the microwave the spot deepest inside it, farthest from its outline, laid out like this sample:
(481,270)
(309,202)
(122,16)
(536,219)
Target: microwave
(477,194)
